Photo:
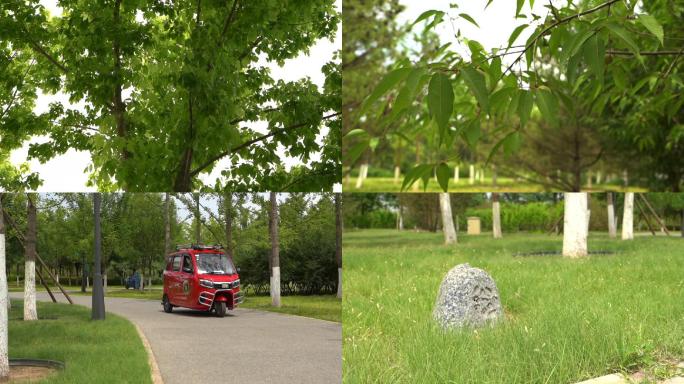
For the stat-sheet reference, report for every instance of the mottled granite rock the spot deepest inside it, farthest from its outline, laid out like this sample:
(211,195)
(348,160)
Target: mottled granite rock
(467,298)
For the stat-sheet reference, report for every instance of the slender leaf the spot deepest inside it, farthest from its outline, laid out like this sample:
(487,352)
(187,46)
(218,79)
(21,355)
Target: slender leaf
(476,82)
(467,17)
(653,26)
(624,36)
(440,100)
(548,105)
(525,104)
(516,33)
(594,54)
(443,176)
(388,82)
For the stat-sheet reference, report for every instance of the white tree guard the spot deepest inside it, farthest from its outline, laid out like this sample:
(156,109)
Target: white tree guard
(496,220)
(575,224)
(4,299)
(30,312)
(447,219)
(339,283)
(275,287)
(628,217)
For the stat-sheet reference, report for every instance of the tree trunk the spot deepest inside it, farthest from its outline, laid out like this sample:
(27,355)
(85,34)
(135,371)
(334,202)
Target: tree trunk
(98,306)
(167,224)
(471,174)
(30,312)
(338,242)
(456,174)
(447,219)
(628,217)
(400,217)
(4,304)
(496,216)
(198,219)
(275,252)
(575,224)
(397,174)
(228,217)
(612,230)
(363,172)
(681,227)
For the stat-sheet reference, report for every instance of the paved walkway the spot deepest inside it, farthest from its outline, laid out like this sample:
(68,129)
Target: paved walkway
(247,346)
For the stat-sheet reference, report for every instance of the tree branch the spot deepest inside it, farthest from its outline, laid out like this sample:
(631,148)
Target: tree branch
(554,25)
(253,141)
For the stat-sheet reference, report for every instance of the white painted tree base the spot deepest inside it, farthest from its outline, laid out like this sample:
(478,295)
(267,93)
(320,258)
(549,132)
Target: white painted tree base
(275,287)
(4,301)
(575,224)
(628,217)
(339,283)
(30,312)
(447,219)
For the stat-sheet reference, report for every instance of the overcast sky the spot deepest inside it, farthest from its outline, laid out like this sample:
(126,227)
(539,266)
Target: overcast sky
(66,173)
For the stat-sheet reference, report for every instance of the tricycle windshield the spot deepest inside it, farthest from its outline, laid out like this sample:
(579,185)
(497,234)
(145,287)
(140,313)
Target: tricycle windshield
(214,263)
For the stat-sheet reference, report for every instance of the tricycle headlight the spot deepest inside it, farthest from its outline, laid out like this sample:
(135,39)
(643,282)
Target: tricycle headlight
(206,283)
(236,283)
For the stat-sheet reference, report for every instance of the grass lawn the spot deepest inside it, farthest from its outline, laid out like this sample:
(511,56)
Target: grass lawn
(324,307)
(108,351)
(566,320)
(387,184)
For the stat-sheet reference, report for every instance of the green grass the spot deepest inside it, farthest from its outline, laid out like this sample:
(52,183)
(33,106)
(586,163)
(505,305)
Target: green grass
(566,320)
(108,351)
(387,184)
(324,307)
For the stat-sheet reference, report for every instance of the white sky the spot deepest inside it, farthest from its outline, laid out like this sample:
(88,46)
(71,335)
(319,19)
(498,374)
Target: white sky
(66,173)
(496,23)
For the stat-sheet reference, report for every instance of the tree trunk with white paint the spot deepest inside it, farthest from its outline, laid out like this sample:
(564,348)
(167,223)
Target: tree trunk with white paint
(496,216)
(471,174)
(575,224)
(363,172)
(275,252)
(457,170)
(4,303)
(447,219)
(338,242)
(612,230)
(628,217)
(400,217)
(30,312)
(397,174)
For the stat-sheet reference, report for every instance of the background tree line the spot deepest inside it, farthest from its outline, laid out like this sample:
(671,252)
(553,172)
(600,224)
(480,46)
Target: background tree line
(133,236)
(519,212)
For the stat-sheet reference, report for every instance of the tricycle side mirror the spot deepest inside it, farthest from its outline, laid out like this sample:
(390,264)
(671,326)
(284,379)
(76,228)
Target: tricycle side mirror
(187,270)
(238,269)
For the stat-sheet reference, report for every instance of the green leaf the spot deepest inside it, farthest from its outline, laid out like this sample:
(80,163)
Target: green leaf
(414,174)
(624,36)
(425,15)
(519,6)
(467,17)
(595,55)
(408,91)
(516,33)
(511,143)
(578,42)
(653,26)
(443,176)
(356,151)
(476,82)
(548,105)
(525,104)
(355,132)
(472,132)
(389,81)
(440,100)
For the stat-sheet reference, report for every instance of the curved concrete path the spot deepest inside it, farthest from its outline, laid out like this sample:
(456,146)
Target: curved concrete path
(247,346)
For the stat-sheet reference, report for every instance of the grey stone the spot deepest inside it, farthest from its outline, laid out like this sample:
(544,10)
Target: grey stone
(467,298)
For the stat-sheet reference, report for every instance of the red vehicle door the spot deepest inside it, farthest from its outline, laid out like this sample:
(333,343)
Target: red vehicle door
(185,279)
(174,283)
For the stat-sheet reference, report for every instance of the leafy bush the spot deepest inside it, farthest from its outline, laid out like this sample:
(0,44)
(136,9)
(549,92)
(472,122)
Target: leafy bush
(517,217)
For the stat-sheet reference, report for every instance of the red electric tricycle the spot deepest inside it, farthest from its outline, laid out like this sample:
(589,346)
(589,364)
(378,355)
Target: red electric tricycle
(203,278)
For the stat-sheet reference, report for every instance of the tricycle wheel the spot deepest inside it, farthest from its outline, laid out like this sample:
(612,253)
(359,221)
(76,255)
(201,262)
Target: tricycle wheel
(220,308)
(167,305)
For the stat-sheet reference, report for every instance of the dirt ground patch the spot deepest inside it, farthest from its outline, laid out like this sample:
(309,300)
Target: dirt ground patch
(27,374)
